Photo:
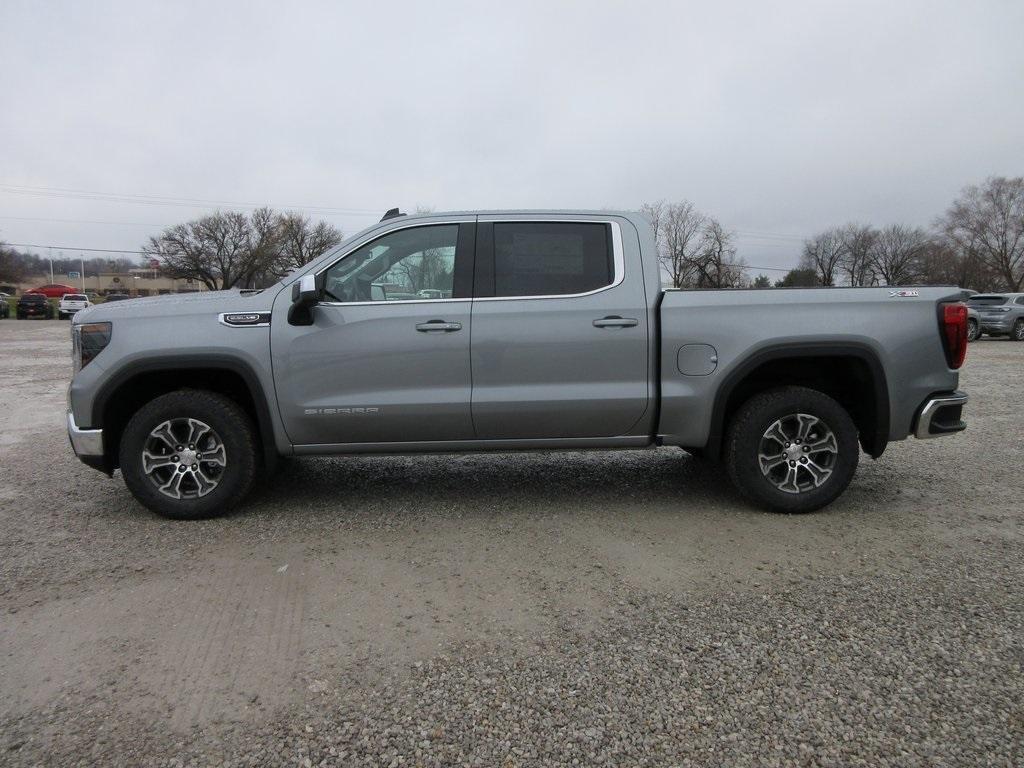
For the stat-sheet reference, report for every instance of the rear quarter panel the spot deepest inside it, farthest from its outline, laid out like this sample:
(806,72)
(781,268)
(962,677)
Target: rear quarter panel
(901,332)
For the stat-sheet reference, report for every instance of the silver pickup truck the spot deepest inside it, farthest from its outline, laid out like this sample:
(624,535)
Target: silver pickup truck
(502,331)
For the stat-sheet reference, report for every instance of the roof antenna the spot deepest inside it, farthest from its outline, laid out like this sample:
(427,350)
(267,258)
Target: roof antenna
(394,213)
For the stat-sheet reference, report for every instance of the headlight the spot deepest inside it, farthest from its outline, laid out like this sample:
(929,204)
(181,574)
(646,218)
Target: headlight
(87,341)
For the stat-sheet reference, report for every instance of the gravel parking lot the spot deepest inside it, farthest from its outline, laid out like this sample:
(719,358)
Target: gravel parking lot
(621,608)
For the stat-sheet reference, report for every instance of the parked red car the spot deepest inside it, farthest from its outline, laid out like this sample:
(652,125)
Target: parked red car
(54,290)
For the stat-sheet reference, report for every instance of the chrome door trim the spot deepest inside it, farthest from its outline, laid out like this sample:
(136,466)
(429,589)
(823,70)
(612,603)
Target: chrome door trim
(618,262)
(618,256)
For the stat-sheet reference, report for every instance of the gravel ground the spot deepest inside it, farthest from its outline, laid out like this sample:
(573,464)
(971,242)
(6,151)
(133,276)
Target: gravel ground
(620,608)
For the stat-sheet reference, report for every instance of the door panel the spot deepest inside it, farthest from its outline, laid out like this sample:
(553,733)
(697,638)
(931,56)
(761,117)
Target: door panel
(364,373)
(542,368)
(386,358)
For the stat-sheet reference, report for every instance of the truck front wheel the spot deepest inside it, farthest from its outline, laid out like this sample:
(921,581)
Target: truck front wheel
(792,449)
(189,454)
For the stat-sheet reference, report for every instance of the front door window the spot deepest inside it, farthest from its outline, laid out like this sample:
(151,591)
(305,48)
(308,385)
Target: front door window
(406,265)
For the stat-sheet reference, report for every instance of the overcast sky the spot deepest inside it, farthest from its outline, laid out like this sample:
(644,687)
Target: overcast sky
(778,118)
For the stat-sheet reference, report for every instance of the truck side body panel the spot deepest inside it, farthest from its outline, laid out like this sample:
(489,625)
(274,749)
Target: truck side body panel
(900,332)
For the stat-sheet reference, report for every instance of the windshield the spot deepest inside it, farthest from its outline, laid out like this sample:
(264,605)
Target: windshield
(987,300)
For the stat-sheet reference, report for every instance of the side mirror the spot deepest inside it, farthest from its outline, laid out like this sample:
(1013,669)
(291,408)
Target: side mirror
(304,297)
(304,291)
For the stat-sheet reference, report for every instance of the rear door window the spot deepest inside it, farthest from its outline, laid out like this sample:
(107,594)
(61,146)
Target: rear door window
(987,301)
(551,258)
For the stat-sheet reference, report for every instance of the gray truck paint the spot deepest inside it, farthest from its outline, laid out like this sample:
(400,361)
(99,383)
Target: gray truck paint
(522,372)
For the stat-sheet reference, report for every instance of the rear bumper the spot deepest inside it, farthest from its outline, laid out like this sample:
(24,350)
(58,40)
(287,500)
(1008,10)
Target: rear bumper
(940,415)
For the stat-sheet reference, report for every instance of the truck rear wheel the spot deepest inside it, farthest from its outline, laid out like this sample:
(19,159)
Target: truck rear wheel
(189,454)
(792,449)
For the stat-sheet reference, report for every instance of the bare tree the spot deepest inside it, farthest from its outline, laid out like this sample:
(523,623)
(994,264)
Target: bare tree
(13,265)
(681,228)
(715,264)
(824,254)
(210,249)
(856,259)
(987,222)
(228,249)
(943,263)
(301,241)
(896,253)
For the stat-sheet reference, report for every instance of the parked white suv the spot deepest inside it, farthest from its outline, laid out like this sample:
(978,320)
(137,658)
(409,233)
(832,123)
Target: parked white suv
(71,303)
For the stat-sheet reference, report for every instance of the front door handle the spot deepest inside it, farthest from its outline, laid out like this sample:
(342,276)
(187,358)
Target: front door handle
(438,325)
(614,321)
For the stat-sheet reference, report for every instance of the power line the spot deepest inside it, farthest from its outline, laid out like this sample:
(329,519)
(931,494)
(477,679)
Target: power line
(76,248)
(83,221)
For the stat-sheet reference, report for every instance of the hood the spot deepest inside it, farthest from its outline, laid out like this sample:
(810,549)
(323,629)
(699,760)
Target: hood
(179,304)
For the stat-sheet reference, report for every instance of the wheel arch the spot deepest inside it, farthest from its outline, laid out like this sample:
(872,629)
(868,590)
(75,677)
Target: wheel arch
(846,371)
(139,382)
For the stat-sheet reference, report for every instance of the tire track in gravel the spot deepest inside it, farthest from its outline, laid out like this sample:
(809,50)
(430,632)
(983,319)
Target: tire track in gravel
(235,643)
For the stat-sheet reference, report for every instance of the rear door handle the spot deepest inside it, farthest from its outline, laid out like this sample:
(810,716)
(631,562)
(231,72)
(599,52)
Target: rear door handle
(438,325)
(614,321)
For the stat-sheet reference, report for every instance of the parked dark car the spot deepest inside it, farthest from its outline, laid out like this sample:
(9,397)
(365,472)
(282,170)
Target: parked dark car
(34,305)
(5,308)
(116,297)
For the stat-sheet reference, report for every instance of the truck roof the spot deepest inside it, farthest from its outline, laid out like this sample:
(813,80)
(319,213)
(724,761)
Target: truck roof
(522,212)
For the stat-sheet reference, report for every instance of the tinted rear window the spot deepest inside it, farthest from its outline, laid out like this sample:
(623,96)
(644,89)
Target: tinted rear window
(551,258)
(74,297)
(33,297)
(987,300)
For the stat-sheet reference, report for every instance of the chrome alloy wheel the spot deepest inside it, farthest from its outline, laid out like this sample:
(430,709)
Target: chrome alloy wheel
(184,458)
(797,453)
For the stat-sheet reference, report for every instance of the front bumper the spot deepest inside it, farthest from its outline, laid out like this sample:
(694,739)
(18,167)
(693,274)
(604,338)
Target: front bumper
(84,442)
(941,415)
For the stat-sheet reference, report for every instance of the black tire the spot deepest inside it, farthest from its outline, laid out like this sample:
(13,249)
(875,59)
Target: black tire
(748,428)
(973,332)
(232,426)
(1018,330)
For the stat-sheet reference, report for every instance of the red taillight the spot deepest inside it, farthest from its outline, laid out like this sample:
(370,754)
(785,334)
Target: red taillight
(954,330)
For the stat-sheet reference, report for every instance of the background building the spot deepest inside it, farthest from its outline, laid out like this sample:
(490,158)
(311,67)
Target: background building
(134,282)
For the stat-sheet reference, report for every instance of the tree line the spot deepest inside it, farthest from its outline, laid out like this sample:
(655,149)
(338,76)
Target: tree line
(977,243)
(228,249)
(225,249)
(17,266)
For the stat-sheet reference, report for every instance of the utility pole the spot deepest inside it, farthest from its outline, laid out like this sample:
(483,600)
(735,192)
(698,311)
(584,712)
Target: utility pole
(82,257)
